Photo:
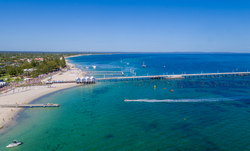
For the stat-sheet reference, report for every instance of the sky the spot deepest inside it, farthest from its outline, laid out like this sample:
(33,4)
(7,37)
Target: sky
(125,25)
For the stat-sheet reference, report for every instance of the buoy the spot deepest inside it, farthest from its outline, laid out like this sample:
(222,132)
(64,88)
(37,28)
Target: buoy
(236,69)
(172,90)
(164,88)
(184,119)
(154,86)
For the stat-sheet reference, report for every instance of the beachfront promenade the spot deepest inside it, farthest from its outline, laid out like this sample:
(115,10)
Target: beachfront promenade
(178,76)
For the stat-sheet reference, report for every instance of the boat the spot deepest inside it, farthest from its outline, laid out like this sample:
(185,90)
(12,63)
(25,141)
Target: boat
(14,144)
(87,67)
(1,126)
(143,65)
(127,63)
(94,67)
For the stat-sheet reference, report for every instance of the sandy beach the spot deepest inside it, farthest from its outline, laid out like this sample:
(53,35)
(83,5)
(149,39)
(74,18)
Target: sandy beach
(8,115)
(28,94)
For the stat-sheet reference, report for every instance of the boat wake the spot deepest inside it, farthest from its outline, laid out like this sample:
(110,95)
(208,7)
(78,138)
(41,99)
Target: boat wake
(178,100)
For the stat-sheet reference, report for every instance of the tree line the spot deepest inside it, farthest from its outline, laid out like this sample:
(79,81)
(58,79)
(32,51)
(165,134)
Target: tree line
(35,68)
(15,63)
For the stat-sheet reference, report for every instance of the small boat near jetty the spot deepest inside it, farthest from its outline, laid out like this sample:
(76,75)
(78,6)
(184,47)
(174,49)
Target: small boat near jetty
(14,144)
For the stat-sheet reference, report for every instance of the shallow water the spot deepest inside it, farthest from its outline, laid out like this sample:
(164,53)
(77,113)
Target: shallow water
(201,113)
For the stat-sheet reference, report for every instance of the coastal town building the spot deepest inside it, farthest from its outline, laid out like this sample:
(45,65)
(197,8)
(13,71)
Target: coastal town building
(38,59)
(2,83)
(29,60)
(29,70)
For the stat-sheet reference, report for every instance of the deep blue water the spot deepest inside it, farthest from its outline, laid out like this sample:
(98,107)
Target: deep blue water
(174,63)
(201,114)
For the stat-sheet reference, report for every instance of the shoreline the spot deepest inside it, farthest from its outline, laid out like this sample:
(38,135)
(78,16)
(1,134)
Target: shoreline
(77,55)
(11,114)
(71,64)
(8,116)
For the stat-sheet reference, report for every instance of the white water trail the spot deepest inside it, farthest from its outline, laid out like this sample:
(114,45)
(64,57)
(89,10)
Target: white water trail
(178,100)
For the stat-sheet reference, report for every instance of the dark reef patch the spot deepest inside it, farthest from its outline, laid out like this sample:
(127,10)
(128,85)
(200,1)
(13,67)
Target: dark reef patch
(109,136)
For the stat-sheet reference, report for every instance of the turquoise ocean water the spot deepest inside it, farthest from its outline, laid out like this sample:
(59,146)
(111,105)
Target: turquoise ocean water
(201,114)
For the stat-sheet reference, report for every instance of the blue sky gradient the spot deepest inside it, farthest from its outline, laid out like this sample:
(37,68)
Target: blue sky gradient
(125,25)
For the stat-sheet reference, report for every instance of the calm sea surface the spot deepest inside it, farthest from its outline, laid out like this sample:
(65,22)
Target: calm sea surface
(203,114)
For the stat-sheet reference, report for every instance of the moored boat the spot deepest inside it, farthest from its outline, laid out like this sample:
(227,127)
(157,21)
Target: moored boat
(143,65)
(14,144)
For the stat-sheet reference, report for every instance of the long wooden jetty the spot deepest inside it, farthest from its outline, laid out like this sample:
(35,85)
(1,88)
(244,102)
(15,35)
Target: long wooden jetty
(178,76)
(27,105)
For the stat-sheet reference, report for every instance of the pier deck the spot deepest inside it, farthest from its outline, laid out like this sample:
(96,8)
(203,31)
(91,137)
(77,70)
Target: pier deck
(27,105)
(177,76)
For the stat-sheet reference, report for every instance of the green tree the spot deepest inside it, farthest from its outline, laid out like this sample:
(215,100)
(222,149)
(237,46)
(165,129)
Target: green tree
(57,60)
(42,69)
(44,60)
(27,66)
(45,69)
(63,62)
(33,63)
(11,70)
(2,71)
(52,65)
(19,70)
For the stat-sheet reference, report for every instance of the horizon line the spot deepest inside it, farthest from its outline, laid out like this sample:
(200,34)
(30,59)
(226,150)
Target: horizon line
(117,52)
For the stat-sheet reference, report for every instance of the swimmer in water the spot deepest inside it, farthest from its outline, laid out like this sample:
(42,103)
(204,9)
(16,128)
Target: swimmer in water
(125,100)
